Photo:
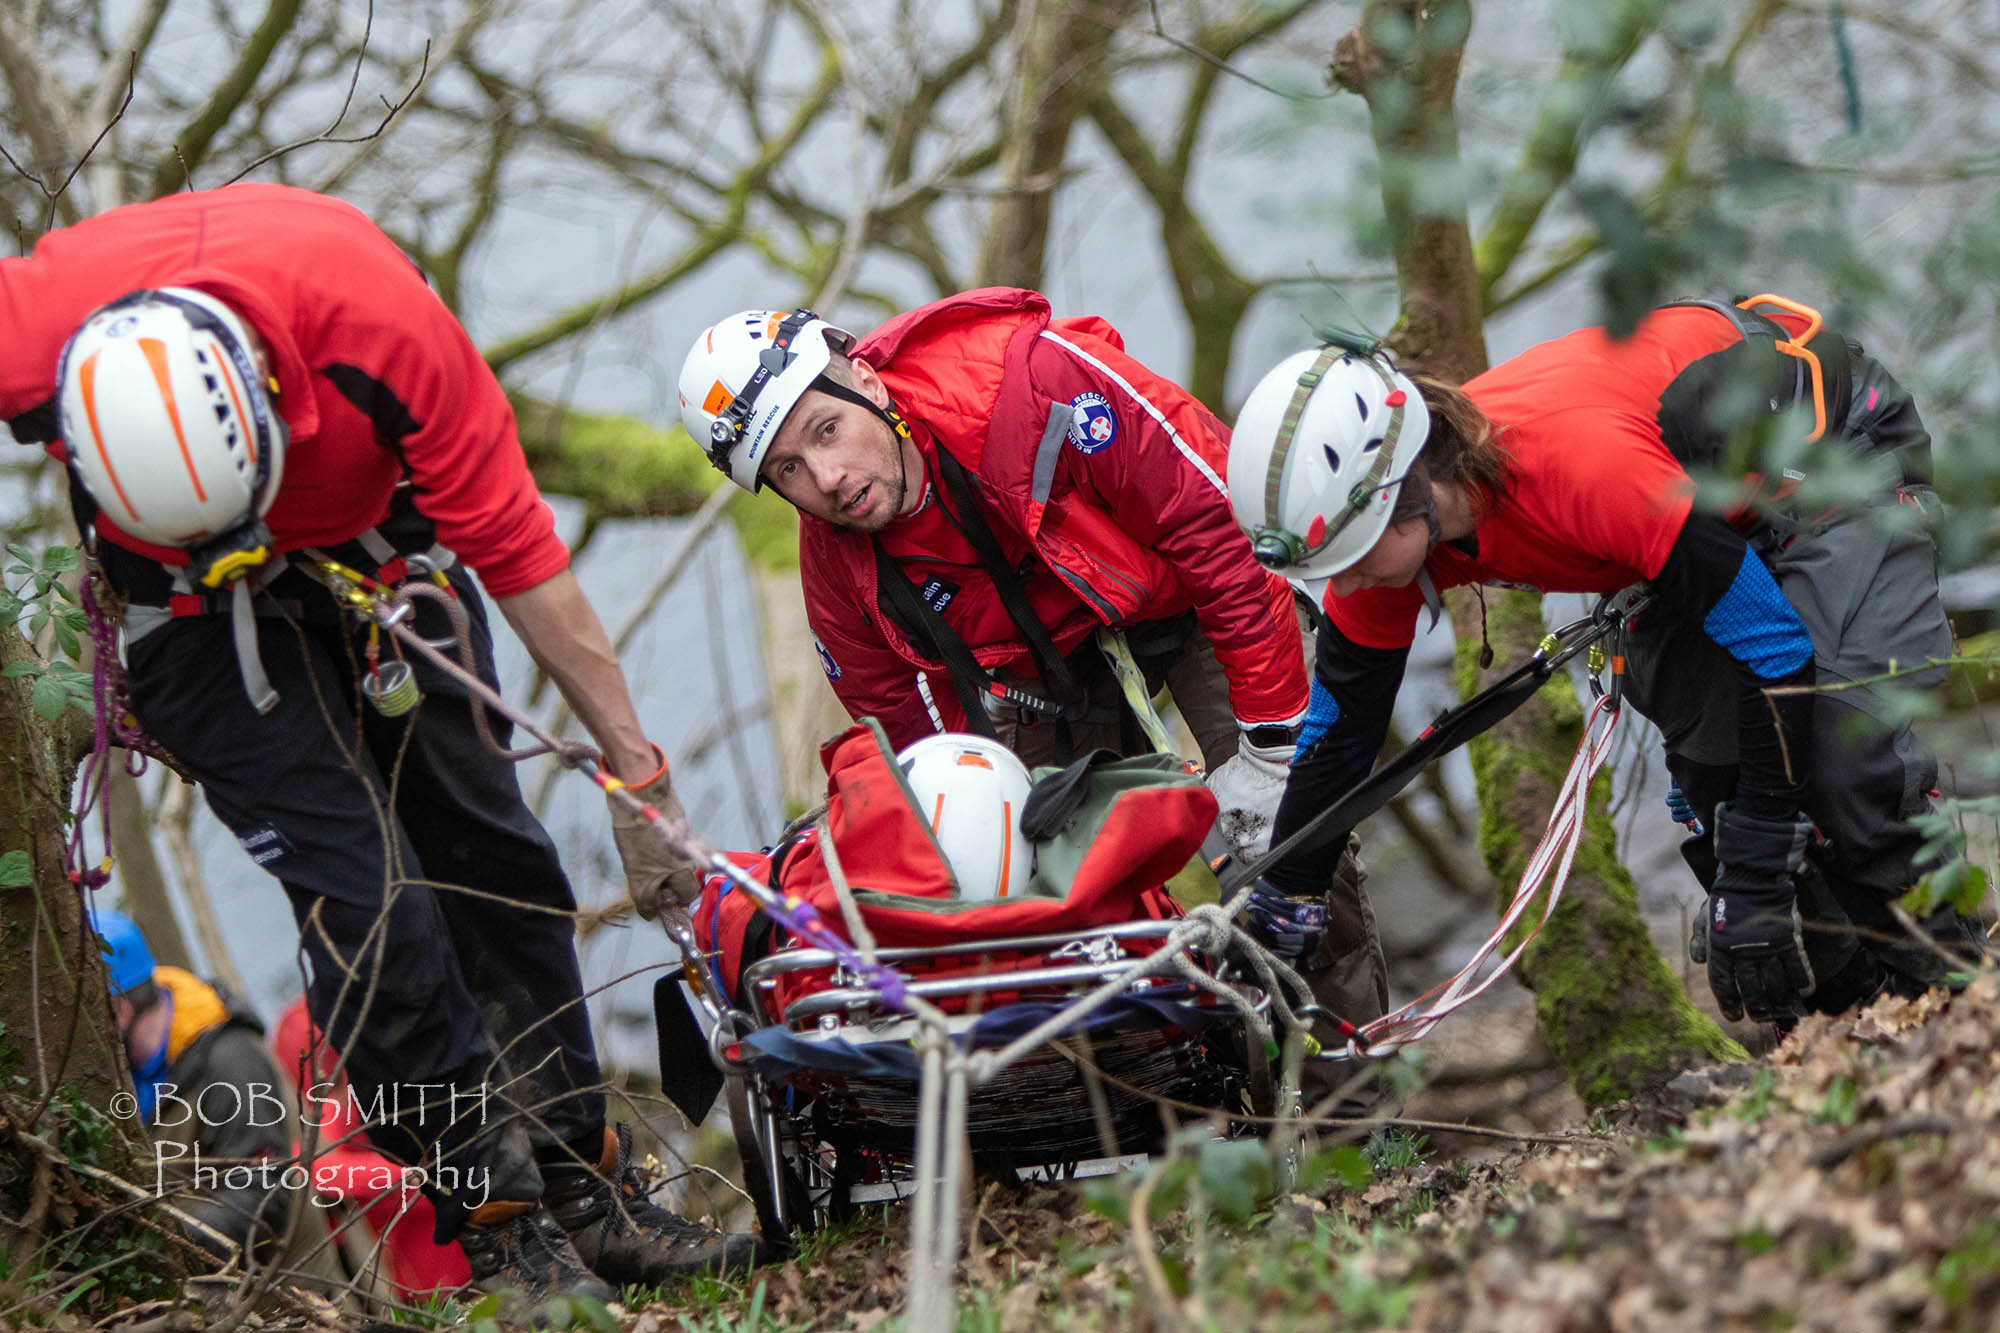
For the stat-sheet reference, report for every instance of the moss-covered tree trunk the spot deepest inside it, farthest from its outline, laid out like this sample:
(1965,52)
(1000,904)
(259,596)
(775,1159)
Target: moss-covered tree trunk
(1615,1016)
(61,1063)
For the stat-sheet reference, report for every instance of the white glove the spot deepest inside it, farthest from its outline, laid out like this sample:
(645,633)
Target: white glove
(1248,787)
(655,874)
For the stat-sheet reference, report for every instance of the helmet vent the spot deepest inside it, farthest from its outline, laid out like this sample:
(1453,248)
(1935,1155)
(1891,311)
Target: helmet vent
(1332,458)
(1361,406)
(1372,445)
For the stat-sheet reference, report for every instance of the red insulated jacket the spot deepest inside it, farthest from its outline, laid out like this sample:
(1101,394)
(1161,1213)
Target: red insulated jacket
(377,380)
(1109,476)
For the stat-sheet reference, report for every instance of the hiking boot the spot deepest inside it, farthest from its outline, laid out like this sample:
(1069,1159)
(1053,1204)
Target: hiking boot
(518,1247)
(624,1237)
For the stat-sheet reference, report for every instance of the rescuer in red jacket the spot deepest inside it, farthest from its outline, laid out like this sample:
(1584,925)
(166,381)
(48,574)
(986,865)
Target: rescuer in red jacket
(982,489)
(235,376)
(1571,469)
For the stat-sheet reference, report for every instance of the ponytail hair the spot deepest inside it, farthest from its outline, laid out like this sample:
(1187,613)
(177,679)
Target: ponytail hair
(1461,451)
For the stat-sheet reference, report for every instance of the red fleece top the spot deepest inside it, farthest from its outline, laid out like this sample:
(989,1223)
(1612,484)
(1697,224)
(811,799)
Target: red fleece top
(1595,499)
(377,380)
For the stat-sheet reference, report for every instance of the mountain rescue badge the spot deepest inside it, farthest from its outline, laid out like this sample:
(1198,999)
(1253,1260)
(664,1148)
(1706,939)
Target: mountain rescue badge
(1093,425)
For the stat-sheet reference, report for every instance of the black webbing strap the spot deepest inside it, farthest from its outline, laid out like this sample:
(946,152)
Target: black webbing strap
(904,604)
(1451,729)
(1070,696)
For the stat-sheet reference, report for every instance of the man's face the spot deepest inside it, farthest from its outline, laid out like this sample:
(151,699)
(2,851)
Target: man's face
(1392,562)
(838,461)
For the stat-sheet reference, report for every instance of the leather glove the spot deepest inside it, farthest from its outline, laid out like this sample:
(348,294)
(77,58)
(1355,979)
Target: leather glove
(655,874)
(1756,946)
(1289,927)
(1248,786)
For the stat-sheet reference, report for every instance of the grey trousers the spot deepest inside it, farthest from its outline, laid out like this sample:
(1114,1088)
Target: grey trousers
(1868,595)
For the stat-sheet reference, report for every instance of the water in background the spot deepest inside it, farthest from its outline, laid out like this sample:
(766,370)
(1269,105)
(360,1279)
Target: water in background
(696,665)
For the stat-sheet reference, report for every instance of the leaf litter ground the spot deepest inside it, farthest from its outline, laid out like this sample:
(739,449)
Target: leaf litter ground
(1848,1180)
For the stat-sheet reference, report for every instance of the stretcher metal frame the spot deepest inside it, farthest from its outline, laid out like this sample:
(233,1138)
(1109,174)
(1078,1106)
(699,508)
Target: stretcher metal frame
(809,1156)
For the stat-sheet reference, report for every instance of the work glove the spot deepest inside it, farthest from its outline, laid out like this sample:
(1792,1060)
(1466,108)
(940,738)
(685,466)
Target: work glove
(1289,927)
(1678,807)
(1248,786)
(1756,945)
(655,874)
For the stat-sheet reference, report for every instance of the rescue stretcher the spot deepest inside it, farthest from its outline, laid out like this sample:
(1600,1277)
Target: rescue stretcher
(818,1065)
(817,1060)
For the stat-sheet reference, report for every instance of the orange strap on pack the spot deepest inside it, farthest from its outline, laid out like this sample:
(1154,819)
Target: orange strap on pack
(1797,347)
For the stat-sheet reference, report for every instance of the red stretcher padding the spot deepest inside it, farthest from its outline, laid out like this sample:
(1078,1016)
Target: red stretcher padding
(904,889)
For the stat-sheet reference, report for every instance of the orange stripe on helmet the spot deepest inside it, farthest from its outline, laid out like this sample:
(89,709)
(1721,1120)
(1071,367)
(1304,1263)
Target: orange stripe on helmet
(242,417)
(718,398)
(87,382)
(156,357)
(1006,848)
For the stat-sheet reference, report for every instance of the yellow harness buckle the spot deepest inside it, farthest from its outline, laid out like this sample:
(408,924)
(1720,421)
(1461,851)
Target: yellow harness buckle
(231,567)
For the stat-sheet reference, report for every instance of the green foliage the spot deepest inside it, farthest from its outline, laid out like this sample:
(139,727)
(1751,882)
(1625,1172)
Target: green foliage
(1235,1175)
(1763,1085)
(17,870)
(1957,883)
(1972,1264)
(1841,1103)
(37,600)
(1755,1241)
(1345,1163)
(1395,1149)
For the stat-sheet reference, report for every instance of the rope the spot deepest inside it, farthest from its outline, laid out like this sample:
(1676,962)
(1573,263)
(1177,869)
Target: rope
(1557,851)
(112,723)
(947,1074)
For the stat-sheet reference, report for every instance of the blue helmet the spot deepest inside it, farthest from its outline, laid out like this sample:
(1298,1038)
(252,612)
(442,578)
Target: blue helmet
(127,954)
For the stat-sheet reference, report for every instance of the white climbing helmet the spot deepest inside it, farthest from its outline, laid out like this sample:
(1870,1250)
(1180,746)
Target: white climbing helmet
(744,375)
(170,427)
(971,790)
(1319,452)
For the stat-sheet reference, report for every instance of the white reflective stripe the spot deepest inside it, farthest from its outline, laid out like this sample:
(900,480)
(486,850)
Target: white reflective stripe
(1200,464)
(930,704)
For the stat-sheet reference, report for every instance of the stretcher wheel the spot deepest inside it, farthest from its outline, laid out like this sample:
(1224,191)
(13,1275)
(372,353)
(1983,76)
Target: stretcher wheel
(762,1141)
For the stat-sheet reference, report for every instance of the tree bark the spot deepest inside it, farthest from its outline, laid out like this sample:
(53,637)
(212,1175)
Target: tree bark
(56,1028)
(1613,1012)
(1063,54)
(139,874)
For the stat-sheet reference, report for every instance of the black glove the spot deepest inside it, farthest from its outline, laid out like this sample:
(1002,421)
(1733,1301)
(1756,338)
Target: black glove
(1289,927)
(1756,949)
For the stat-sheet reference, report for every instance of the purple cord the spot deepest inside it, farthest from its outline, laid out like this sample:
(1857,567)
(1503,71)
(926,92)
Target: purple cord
(110,707)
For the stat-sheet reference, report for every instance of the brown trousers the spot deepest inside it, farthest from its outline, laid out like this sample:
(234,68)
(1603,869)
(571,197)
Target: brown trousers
(1349,976)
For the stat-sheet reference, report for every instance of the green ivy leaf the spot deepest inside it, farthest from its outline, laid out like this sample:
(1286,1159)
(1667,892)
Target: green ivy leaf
(59,558)
(21,667)
(1235,1173)
(67,641)
(16,871)
(51,698)
(21,553)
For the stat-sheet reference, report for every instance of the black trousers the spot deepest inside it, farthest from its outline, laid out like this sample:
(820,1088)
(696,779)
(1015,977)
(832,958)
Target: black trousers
(1868,594)
(433,914)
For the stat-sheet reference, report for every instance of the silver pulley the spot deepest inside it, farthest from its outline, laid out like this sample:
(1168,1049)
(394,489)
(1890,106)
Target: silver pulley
(392,689)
